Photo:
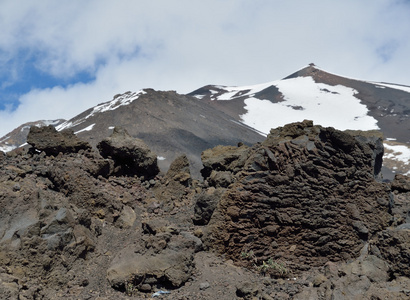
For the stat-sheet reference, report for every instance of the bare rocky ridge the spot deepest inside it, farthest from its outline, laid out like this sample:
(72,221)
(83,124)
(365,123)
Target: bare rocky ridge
(298,216)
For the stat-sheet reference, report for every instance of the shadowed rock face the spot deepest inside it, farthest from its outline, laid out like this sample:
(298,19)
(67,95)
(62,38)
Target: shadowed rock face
(306,195)
(52,142)
(131,155)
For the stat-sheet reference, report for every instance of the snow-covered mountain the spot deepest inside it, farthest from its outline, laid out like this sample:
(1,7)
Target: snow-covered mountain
(328,100)
(171,123)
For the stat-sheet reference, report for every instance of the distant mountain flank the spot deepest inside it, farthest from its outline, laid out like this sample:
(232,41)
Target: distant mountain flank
(172,124)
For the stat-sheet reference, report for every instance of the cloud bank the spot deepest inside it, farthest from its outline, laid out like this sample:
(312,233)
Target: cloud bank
(58,58)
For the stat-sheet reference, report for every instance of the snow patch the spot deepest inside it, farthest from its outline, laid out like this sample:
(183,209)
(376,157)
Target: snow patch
(50,122)
(4,139)
(161,158)
(24,128)
(88,128)
(334,106)
(394,86)
(68,124)
(121,100)
(7,148)
(398,153)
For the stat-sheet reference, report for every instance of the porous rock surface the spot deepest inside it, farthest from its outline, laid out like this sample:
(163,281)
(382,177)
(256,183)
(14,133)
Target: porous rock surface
(299,216)
(306,195)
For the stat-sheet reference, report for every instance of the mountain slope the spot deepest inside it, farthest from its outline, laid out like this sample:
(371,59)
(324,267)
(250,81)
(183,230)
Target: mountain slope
(171,124)
(328,100)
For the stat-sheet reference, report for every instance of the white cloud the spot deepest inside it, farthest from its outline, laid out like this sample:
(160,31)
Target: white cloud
(182,45)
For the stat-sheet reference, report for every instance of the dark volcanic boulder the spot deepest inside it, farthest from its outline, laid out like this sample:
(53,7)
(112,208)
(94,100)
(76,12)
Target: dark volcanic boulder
(304,196)
(131,155)
(52,142)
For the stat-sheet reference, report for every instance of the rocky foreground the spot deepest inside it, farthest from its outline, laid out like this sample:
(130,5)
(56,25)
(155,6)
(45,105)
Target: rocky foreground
(302,215)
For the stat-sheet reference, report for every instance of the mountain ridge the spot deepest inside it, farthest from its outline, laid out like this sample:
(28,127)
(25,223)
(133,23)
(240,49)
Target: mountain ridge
(172,123)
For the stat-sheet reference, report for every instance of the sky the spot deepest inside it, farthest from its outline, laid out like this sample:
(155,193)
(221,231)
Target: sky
(59,58)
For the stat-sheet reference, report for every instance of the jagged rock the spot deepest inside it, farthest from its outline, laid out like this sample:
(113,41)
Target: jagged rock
(127,217)
(179,170)
(220,179)
(223,158)
(176,188)
(401,200)
(306,195)
(131,155)
(374,268)
(52,142)
(58,232)
(401,183)
(373,139)
(205,204)
(247,290)
(9,288)
(394,246)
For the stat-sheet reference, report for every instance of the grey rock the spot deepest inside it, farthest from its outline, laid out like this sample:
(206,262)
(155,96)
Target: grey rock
(204,285)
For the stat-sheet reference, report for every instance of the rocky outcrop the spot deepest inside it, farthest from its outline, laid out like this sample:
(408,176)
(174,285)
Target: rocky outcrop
(52,142)
(174,189)
(131,155)
(304,196)
(299,216)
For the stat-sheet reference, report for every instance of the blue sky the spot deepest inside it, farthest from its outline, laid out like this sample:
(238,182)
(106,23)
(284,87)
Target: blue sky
(58,58)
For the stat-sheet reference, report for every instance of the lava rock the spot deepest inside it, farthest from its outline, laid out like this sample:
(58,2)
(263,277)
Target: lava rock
(131,155)
(306,195)
(52,142)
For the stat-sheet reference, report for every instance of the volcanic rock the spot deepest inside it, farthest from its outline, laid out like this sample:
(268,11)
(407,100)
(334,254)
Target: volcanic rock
(52,142)
(304,196)
(299,216)
(393,245)
(131,155)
